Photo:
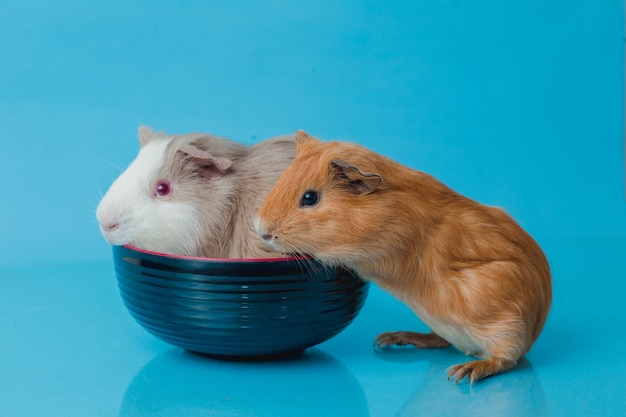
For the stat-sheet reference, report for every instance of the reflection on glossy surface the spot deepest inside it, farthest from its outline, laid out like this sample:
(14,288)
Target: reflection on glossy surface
(517,392)
(179,383)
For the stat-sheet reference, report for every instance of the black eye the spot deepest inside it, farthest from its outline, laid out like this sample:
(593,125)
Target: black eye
(310,198)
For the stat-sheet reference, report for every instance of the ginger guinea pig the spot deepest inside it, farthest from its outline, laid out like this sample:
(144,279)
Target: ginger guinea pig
(194,195)
(468,271)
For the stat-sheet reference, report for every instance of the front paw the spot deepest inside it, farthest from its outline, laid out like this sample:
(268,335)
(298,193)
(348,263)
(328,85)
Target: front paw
(420,340)
(387,339)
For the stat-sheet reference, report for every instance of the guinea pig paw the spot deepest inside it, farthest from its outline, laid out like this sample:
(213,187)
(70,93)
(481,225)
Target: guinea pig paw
(477,370)
(461,371)
(389,339)
(419,340)
(383,340)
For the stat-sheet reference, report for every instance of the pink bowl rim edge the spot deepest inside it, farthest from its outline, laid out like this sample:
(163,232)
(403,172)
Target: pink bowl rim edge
(200,258)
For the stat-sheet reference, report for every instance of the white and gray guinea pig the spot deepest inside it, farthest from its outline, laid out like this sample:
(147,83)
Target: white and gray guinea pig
(194,195)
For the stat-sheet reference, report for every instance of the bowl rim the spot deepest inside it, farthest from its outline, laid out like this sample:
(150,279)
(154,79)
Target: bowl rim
(208,259)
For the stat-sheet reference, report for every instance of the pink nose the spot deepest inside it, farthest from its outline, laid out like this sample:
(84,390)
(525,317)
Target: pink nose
(111,227)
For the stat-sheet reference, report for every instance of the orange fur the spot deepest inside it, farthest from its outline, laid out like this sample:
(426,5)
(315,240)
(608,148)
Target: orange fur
(469,271)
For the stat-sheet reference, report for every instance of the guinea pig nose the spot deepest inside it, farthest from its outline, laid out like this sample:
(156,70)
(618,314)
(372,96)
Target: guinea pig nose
(267,236)
(111,227)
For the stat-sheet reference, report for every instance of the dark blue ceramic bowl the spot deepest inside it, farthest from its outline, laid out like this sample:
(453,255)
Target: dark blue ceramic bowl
(237,308)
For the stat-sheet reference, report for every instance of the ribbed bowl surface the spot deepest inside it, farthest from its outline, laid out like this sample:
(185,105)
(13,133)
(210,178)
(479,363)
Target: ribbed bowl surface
(237,308)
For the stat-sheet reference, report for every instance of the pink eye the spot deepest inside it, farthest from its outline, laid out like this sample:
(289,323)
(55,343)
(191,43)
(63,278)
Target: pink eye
(162,189)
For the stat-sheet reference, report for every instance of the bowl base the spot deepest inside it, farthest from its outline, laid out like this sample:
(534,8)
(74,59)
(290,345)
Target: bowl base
(268,357)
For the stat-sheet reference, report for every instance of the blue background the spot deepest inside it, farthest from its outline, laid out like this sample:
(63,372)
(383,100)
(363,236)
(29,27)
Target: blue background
(518,104)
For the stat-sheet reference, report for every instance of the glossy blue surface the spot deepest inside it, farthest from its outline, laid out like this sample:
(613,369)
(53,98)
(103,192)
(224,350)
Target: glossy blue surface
(70,348)
(514,103)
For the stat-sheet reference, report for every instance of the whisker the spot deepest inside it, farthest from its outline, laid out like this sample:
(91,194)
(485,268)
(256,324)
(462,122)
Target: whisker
(116,167)
(303,262)
(308,263)
(94,188)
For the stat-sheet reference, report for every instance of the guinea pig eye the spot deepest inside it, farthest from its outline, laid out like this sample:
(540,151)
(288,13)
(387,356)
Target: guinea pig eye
(309,198)
(162,189)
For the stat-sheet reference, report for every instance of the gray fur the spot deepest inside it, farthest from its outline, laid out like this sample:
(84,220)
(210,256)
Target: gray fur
(227,204)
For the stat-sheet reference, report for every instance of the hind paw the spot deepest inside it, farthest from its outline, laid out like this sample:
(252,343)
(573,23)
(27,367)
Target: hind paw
(477,370)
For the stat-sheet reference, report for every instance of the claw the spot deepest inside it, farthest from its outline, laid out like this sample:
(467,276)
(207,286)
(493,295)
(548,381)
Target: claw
(477,370)
(384,340)
(459,372)
(462,371)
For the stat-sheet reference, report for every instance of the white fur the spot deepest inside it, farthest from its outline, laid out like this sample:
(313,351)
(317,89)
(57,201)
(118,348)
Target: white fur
(259,227)
(129,213)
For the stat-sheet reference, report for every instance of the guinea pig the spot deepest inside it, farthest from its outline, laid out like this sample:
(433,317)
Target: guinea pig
(468,271)
(194,195)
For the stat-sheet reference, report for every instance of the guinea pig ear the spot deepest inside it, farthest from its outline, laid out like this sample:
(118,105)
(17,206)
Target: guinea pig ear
(351,177)
(146,135)
(303,138)
(212,166)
